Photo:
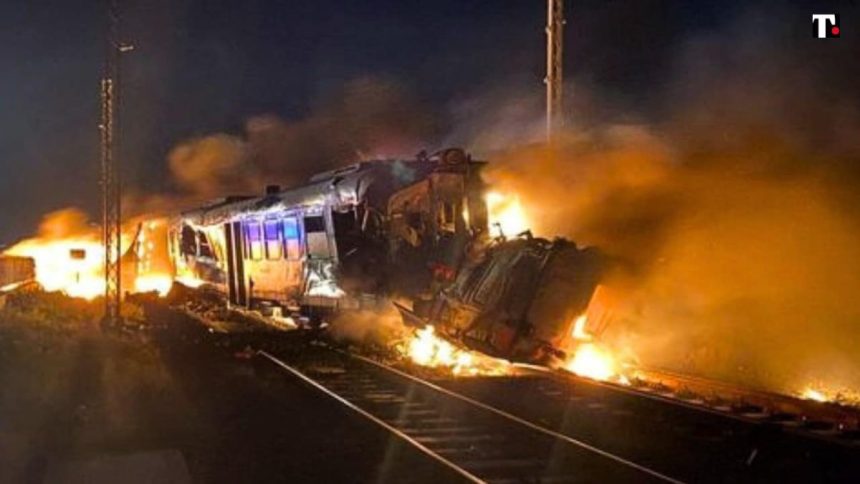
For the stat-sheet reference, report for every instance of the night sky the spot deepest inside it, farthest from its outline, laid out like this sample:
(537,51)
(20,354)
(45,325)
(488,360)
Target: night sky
(201,67)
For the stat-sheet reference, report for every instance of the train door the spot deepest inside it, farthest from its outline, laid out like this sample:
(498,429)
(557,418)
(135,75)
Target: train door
(320,281)
(236,290)
(265,260)
(292,242)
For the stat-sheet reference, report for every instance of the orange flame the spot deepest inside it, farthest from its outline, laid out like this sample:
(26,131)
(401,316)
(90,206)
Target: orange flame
(506,214)
(590,359)
(69,257)
(72,265)
(593,362)
(425,348)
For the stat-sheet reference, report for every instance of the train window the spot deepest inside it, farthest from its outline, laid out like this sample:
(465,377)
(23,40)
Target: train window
(272,233)
(314,224)
(446,217)
(521,279)
(291,228)
(291,238)
(495,280)
(205,249)
(413,219)
(253,238)
(317,238)
(490,286)
(188,241)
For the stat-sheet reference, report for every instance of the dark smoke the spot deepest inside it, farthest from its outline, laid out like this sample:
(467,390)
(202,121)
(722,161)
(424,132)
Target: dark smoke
(369,118)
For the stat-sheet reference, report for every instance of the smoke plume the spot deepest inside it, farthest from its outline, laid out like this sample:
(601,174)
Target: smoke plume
(733,217)
(370,117)
(379,326)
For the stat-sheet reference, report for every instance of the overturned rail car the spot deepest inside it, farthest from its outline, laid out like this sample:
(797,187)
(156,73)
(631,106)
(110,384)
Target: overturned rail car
(373,228)
(520,301)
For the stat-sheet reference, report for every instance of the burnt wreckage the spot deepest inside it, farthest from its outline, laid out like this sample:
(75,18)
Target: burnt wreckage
(520,300)
(414,229)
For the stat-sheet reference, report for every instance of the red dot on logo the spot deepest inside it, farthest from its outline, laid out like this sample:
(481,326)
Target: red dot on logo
(834,31)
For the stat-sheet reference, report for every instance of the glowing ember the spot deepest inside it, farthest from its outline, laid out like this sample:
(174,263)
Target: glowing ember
(506,214)
(427,349)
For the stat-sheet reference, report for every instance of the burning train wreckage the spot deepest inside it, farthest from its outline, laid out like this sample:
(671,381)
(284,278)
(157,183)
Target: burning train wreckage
(414,230)
(476,290)
(426,232)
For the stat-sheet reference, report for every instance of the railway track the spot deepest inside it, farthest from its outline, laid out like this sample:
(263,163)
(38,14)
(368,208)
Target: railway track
(827,421)
(543,426)
(479,441)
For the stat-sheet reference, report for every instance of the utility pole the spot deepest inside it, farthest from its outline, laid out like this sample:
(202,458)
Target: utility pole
(554,79)
(110,180)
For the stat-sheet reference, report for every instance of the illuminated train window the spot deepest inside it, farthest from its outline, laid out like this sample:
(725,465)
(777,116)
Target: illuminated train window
(292,242)
(253,240)
(272,233)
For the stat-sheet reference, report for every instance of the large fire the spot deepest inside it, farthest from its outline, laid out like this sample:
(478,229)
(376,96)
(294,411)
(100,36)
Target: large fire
(72,265)
(425,348)
(69,256)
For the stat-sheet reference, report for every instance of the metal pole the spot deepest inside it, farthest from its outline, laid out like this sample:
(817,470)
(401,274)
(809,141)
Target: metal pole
(110,173)
(554,79)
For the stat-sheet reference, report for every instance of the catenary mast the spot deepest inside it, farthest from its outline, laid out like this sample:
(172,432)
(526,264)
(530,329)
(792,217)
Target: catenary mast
(110,180)
(554,49)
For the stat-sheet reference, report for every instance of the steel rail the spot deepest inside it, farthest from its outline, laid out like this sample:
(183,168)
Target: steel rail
(462,472)
(707,393)
(514,418)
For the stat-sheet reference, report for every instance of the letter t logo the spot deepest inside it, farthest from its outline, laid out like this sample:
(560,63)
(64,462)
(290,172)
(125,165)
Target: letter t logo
(821,25)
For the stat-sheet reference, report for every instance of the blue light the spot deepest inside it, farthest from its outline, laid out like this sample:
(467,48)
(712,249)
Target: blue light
(291,229)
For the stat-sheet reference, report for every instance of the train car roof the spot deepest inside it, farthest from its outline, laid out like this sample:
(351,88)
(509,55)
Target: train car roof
(371,181)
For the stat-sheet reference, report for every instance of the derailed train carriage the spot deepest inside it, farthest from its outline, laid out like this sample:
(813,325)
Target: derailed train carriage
(522,299)
(349,235)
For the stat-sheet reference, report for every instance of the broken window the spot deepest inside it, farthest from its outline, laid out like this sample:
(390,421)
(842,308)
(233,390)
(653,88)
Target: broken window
(413,219)
(347,232)
(188,241)
(490,286)
(316,236)
(205,249)
(519,283)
